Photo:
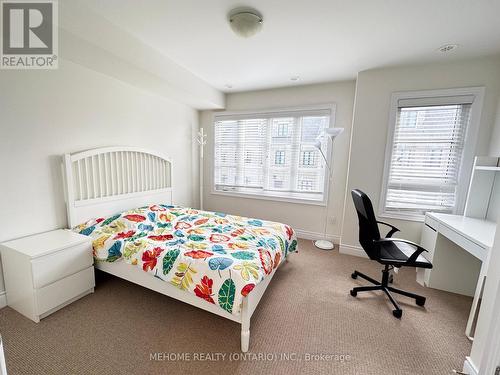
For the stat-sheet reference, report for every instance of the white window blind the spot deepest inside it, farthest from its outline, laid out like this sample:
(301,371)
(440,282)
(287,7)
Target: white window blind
(270,154)
(426,155)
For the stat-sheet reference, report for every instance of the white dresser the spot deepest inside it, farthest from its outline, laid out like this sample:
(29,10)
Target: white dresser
(47,271)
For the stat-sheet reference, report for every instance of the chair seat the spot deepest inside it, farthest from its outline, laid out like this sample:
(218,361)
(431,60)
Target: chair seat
(400,251)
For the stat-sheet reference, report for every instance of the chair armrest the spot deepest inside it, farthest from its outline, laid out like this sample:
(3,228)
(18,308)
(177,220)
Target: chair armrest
(414,256)
(392,231)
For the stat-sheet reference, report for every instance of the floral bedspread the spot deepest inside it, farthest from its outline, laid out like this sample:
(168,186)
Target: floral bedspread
(218,257)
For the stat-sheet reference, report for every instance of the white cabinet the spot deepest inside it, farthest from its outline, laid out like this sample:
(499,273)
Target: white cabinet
(47,271)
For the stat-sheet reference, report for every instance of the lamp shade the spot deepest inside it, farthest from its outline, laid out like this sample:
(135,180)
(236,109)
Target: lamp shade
(329,132)
(333,132)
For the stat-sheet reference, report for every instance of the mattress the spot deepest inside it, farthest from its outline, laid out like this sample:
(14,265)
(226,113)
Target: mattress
(217,257)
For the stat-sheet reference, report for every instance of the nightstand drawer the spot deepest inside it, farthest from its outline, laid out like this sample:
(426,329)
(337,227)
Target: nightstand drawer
(49,268)
(58,293)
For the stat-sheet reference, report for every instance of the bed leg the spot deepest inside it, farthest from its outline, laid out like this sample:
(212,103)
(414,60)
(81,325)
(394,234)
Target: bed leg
(245,340)
(245,326)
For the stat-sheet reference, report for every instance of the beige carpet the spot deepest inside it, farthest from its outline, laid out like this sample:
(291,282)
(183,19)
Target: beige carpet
(307,309)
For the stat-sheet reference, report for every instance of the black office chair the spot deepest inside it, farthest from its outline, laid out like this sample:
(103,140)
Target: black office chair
(391,252)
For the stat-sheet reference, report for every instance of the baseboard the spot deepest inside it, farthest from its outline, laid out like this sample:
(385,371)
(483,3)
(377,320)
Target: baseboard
(343,248)
(469,367)
(3,299)
(309,235)
(356,251)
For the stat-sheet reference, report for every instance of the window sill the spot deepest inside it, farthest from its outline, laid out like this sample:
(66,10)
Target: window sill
(270,198)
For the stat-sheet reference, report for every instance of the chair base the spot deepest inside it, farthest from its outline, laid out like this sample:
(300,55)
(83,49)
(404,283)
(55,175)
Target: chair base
(384,286)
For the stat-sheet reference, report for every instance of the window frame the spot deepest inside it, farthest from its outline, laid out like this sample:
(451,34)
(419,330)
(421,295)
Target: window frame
(470,140)
(260,112)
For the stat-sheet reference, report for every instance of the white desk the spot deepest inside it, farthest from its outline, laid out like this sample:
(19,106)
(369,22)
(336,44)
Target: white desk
(455,270)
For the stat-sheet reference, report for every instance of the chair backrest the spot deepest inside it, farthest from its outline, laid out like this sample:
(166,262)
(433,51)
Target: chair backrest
(368,228)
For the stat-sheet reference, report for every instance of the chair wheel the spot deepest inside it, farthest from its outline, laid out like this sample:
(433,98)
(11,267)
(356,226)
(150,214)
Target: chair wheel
(397,313)
(354,293)
(420,301)
(354,275)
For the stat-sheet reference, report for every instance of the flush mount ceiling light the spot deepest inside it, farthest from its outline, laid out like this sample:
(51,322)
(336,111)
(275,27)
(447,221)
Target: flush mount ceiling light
(447,48)
(245,22)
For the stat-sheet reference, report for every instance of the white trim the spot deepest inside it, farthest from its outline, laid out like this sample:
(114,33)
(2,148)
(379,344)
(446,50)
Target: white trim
(353,250)
(310,235)
(268,197)
(332,107)
(267,111)
(486,346)
(402,216)
(469,367)
(468,153)
(3,299)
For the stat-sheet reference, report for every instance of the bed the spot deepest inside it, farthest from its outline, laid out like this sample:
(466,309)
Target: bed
(122,198)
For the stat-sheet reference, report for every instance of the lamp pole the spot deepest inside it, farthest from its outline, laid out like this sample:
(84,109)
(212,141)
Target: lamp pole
(331,133)
(201,138)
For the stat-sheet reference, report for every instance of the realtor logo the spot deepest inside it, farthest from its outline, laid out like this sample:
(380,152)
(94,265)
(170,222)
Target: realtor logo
(29,34)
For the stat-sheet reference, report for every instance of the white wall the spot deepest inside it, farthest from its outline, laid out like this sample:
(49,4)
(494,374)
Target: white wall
(44,114)
(371,120)
(107,48)
(302,217)
(495,134)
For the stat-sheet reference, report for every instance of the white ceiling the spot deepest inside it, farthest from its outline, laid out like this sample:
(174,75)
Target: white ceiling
(318,40)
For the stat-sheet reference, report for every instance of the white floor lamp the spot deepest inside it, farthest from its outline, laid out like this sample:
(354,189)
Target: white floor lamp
(329,133)
(201,138)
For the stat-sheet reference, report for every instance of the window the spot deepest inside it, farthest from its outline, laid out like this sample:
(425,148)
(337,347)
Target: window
(279,158)
(307,158)
(281,128)
(429,152)
(271,154)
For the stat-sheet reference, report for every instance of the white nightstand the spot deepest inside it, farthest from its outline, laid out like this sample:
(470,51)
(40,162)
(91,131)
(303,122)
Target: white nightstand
(47,271)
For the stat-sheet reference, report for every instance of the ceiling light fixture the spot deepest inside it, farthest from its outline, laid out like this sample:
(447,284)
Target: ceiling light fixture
(229,86)
(294,78)
(447,48)
(245,22)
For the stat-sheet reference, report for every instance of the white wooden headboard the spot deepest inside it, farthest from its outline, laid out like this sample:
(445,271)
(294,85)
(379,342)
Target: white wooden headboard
(105,181)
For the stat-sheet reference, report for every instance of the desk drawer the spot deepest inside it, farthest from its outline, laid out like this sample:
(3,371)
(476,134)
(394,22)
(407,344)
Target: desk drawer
(431,222)
(63,290)
(428,241)
(60,264)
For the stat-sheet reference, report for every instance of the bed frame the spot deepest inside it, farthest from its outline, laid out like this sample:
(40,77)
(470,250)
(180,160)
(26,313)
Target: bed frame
(106,181)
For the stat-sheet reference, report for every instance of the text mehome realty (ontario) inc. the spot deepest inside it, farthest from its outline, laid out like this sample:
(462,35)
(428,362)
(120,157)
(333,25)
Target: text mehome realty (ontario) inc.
(238,356)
